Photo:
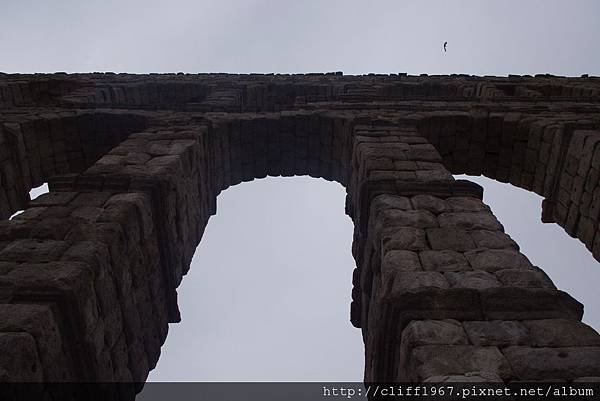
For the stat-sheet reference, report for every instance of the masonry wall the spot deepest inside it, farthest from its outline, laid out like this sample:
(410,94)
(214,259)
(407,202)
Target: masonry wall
(88,273)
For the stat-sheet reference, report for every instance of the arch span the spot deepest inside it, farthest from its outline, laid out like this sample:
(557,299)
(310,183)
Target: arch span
(553,153)
(268,291)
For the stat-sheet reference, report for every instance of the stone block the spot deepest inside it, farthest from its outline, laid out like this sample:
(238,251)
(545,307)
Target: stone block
(492,260)
(492,239)
(385,202)
(20,362)
(142,204)
(508,303)
(398,261)
(472,279)
(433,332)
(88,214)
(39,322)
(407,238)
(53,199)
(470,221)
(430,203)
(57,212)
(51,228)
(405,218)
(561,333)
(379,175)
(111,159)
(444,261)
(71,281)
(433,175)
(33,251)
(500,333)
(405,165)
(407,281)
(136,158)
(450,239)
(553,363)
(450,360)
(524,278)
(88,199)
(466,204)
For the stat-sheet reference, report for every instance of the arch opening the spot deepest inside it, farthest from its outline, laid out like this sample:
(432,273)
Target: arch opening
(268,293)
(566,260)
(552,153)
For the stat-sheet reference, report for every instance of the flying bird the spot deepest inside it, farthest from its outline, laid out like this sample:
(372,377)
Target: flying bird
(445,44)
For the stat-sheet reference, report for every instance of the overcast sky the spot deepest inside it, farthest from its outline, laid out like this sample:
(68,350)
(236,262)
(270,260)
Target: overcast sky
(268,294)
(484,37)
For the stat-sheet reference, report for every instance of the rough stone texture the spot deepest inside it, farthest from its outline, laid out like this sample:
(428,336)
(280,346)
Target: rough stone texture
(497,332)
(553,363)
(447,360)
(88,273)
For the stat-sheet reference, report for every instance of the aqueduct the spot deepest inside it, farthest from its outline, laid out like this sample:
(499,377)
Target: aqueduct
(88,273)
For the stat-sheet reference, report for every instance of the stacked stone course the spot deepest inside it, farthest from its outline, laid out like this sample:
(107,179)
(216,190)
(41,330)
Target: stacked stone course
(88,273)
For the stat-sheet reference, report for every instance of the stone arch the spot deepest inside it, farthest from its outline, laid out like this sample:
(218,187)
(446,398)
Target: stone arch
(435,272)
(553,154)
(142,208)
(51,144)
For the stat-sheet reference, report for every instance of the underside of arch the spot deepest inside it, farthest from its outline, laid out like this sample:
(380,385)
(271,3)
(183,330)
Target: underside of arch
(553,153)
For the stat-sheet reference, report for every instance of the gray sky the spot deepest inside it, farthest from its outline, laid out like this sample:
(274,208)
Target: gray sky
(484,37)
(268,294)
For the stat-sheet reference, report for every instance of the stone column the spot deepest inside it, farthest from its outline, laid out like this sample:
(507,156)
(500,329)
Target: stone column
(445,294)
(88,272)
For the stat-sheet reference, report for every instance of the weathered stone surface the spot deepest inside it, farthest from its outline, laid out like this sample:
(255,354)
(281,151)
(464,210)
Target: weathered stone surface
(39,321)
(492,260)
(403,238)
(35,251)
(450,360)
(445,260)
(19,362)
(386,202)
(406,281)
(87,213)
(430,203)
(429,332)
(500,333)
(89,199)
(492,239)
(405,218)
(398,261)
(472,279)
(510,303)
(471,221)
(449,239)
(561,333)
(524,278)
(88,274)
(556,363)
(465,204)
